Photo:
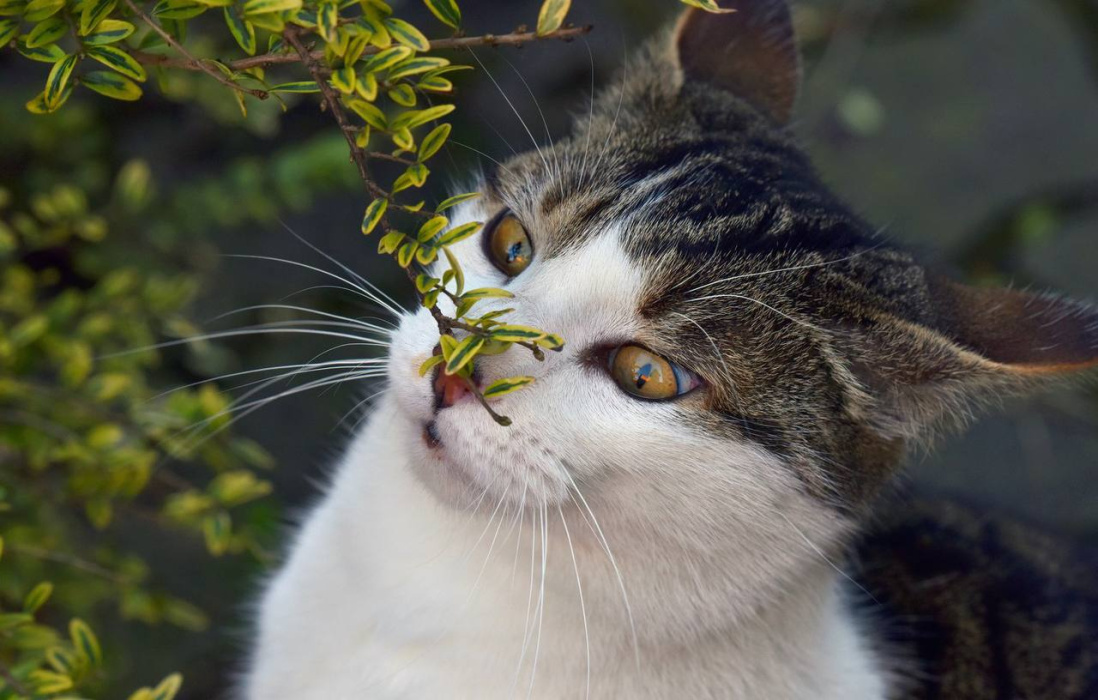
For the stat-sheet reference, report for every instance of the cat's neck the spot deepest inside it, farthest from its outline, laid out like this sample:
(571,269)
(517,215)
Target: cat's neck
(446,603)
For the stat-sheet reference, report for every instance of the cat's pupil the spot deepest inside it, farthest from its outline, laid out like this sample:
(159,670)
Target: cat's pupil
(643,375)
(514,251)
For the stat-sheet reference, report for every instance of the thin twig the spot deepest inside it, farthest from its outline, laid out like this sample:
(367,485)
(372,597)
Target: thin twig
(12,681)
(271,59)
(190,63)
(71,561)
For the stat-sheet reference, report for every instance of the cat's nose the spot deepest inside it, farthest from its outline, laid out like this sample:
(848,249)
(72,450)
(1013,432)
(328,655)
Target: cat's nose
(449,389)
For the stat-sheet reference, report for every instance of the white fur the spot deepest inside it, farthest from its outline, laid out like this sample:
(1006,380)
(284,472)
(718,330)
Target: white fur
(420,574)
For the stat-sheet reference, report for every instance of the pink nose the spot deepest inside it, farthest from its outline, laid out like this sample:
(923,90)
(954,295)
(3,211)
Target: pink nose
(449,389)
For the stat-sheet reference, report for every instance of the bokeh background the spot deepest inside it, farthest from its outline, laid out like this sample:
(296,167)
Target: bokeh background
(966,128)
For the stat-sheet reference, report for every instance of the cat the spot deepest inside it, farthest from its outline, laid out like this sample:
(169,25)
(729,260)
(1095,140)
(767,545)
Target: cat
(674,510)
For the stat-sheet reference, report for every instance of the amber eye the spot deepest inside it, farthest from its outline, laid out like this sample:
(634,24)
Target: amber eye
(645,374)
(508,245)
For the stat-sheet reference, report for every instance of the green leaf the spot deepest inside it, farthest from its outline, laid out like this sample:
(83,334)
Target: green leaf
(61,660)
(447,343)
(456,200)
(47,32)
(459,233)
(390,242)
(403,95)
(431,362)
(431,298)
(118,60)
(433,83)
(301,86)
(455,267)
(113,85)
(425,283)
(343,79)
(8,29)
(708,6)
(327,19)
(426,254)
(403,139)
(93,13)
(433,141)
(446,11)
(45,54)
(366,86)
(109,31)
(486,292)
(37,597)
(58,80)
(178,9)
(514,333)
(552,15)
(48,682)
(551,341)
(415,65)
(217,529)
(464,353)
(12,620)
(9,8)
(406,34)
(414,118)
(369,113)
(261,7)
(506,386)
(432,226)
(373,215)
(85,642)
(38,10)
(241,29)
(407,253)
(168,688)
(386,59)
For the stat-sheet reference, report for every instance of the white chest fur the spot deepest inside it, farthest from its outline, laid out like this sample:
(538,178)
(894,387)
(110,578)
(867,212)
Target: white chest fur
(389,594)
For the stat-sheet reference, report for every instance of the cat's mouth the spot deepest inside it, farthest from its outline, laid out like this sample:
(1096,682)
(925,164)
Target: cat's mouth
(431,438)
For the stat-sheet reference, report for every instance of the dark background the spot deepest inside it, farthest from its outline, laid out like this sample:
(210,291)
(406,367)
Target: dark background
(967,128)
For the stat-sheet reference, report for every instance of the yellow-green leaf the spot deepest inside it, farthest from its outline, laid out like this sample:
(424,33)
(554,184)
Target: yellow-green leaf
(552,15)
(327,19)
(464,353)
(415,65)
(260,7)
(109,31)
(433,83)
(85,642)
(373,215)
(485,292)
(430,363)
(403,139)
(37,597)
(387,58)
(118,60)
(417,174)
(217,530)
(459,233)
(8,29)
(47,32)
(390,242)
(551,341)
(455,267)
(93,13)
(430,227)
(369,113)
(448,344)
(506,386)
(433,141)
(424,282)
(366,86)
(300,86)
(514,333)
(708,6)
(61,660)
(403,95)
(406,34)
(343,79)
(446,11)
(362,138)
(38,10)
(456,200)
(45,54)
(426,254)
(48,682)
(58,80)
(241,29)
(112,85)
(407,253)
(168,688)
(9,8)
(414,118)
(178,9)
(431,298)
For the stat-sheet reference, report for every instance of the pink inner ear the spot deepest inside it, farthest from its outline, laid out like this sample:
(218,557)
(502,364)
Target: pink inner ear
(751,53)
(1028,332)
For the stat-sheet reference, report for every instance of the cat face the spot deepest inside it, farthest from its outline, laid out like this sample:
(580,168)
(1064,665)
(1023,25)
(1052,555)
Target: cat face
(737,340)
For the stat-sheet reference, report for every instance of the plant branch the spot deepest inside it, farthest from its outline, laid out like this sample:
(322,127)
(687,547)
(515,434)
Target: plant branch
(12,681)
(189,61)
(271,59)
(71,561)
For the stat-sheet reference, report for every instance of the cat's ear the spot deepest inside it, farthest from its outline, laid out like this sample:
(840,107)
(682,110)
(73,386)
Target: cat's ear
(972,345)
(749,50)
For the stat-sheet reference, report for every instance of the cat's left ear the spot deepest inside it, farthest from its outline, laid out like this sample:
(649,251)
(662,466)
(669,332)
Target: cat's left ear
(749,50)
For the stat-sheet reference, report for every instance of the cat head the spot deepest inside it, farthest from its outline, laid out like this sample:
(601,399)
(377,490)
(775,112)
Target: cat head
(738,341)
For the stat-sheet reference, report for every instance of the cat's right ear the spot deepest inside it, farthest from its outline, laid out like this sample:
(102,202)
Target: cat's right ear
(749,50)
